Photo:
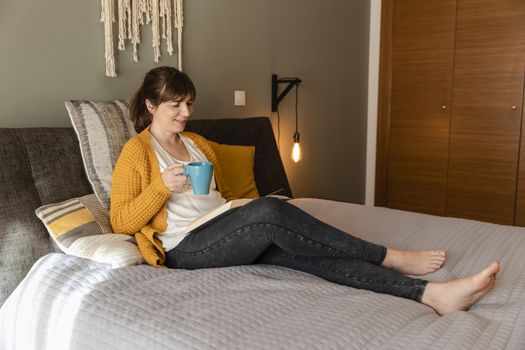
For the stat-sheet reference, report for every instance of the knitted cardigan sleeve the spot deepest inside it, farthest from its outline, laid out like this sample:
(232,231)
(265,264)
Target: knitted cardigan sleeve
(135,197)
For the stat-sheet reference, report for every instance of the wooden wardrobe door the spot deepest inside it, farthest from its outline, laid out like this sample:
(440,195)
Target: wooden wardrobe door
(519,217)
(418,140)
(487,108)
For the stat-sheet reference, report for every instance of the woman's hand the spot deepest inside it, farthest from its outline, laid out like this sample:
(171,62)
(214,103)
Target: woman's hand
(174,179)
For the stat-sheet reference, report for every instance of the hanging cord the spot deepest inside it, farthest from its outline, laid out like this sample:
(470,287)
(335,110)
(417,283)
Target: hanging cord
(278,130)
(296,105)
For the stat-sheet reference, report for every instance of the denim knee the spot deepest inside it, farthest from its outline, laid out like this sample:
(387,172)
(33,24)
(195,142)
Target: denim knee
(266,209)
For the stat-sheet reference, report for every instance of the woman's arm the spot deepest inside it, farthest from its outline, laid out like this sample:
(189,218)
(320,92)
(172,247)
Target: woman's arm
(135,198)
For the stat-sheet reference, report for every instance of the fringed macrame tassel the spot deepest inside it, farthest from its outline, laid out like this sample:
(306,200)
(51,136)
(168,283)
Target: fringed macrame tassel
(148,10)
(136,18)
(167,26)
(144,11)
(132,15)
(162,15)
(108,17)
(179,23)
(155,29)
(123,17)
(129,20)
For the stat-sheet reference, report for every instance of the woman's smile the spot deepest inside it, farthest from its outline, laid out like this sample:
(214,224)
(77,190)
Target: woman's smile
(181,122)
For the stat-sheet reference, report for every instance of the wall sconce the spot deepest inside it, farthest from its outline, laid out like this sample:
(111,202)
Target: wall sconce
(276,99)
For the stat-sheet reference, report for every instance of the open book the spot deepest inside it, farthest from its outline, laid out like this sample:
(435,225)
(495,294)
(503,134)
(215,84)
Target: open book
(216,212)
(226,206)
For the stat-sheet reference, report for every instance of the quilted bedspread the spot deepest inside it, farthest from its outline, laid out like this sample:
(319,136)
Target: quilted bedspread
(71,303)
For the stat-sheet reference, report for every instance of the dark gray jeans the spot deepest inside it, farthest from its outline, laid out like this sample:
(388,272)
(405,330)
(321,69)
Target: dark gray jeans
(272,231)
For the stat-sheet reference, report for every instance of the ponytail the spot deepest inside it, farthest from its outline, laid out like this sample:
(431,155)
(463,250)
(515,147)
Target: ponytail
(138,112)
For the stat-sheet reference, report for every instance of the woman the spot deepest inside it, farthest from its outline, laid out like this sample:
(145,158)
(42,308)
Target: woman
(152,200)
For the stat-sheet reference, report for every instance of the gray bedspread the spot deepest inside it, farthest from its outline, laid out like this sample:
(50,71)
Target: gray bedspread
(72,303)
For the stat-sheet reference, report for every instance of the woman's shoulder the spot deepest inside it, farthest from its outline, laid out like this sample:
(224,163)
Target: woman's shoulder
(137,144)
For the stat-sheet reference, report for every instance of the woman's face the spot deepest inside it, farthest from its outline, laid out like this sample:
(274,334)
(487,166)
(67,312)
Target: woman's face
(171,116)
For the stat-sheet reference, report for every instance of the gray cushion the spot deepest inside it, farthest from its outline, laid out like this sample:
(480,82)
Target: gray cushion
(56,164)
(23,238)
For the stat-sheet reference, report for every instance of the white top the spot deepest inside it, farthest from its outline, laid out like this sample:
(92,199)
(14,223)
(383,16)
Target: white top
(184,207)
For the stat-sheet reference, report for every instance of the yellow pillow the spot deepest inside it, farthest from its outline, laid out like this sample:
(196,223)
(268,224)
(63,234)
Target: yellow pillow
(237,168)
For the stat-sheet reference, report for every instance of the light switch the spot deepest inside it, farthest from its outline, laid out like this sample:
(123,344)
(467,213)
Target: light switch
(240,97)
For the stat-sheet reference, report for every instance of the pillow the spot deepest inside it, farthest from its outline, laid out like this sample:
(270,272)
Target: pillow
(237,168)
(102,128)
(80,227)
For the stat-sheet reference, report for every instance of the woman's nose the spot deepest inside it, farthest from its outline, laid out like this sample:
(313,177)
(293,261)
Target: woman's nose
(185,110)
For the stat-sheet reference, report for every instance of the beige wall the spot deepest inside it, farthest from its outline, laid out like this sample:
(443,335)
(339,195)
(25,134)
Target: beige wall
(51,51)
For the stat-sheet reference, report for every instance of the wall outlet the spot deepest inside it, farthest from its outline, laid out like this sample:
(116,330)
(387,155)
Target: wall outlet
(240,98)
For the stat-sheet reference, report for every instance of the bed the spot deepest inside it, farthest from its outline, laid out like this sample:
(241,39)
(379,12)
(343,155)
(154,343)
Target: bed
(59,301)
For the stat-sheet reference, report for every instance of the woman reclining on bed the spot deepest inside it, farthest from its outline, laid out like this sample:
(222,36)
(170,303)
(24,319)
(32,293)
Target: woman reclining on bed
(152,200)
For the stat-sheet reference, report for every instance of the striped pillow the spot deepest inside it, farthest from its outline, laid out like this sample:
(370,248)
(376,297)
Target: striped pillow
(102,128)
(80,227)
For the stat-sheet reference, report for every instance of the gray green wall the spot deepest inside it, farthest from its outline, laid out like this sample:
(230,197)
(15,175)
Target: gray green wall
(51,51)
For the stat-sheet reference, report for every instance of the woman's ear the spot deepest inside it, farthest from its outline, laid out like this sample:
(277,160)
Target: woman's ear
(150,106)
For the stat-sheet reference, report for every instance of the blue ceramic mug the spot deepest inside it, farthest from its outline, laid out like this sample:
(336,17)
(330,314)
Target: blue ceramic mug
(199,174)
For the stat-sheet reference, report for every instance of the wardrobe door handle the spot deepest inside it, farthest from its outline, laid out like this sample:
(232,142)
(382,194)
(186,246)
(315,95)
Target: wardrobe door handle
(443,107)
(514,108)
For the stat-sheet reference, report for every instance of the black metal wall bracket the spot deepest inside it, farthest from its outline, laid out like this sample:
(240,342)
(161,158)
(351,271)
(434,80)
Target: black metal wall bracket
(275,86)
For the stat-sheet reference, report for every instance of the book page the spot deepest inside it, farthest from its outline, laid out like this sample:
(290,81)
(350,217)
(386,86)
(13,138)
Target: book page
(216,212)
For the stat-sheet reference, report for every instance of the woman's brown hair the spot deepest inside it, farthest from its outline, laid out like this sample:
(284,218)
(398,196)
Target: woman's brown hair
(161,84)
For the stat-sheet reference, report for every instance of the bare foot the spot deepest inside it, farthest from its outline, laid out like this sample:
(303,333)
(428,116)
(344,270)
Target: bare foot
(414,262)
(460,294)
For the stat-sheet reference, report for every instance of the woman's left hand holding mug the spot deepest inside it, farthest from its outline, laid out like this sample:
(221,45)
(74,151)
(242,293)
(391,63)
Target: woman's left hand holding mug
(174,178)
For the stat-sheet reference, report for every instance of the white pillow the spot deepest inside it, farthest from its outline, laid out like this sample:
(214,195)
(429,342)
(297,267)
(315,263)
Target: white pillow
(80,227)
(102,129)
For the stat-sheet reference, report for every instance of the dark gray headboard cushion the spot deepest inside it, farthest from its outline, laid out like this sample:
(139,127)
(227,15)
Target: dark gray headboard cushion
(23,239)
(38,166)
(56,164)
(269,170)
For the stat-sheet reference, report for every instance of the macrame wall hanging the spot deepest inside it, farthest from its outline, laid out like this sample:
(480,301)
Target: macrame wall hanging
(132,14)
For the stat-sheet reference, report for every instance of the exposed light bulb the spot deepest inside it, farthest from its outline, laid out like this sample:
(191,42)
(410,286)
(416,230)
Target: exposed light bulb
(296,150)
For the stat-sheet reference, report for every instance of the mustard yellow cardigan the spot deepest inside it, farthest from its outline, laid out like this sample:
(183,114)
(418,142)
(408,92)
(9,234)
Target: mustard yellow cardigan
(138,194)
